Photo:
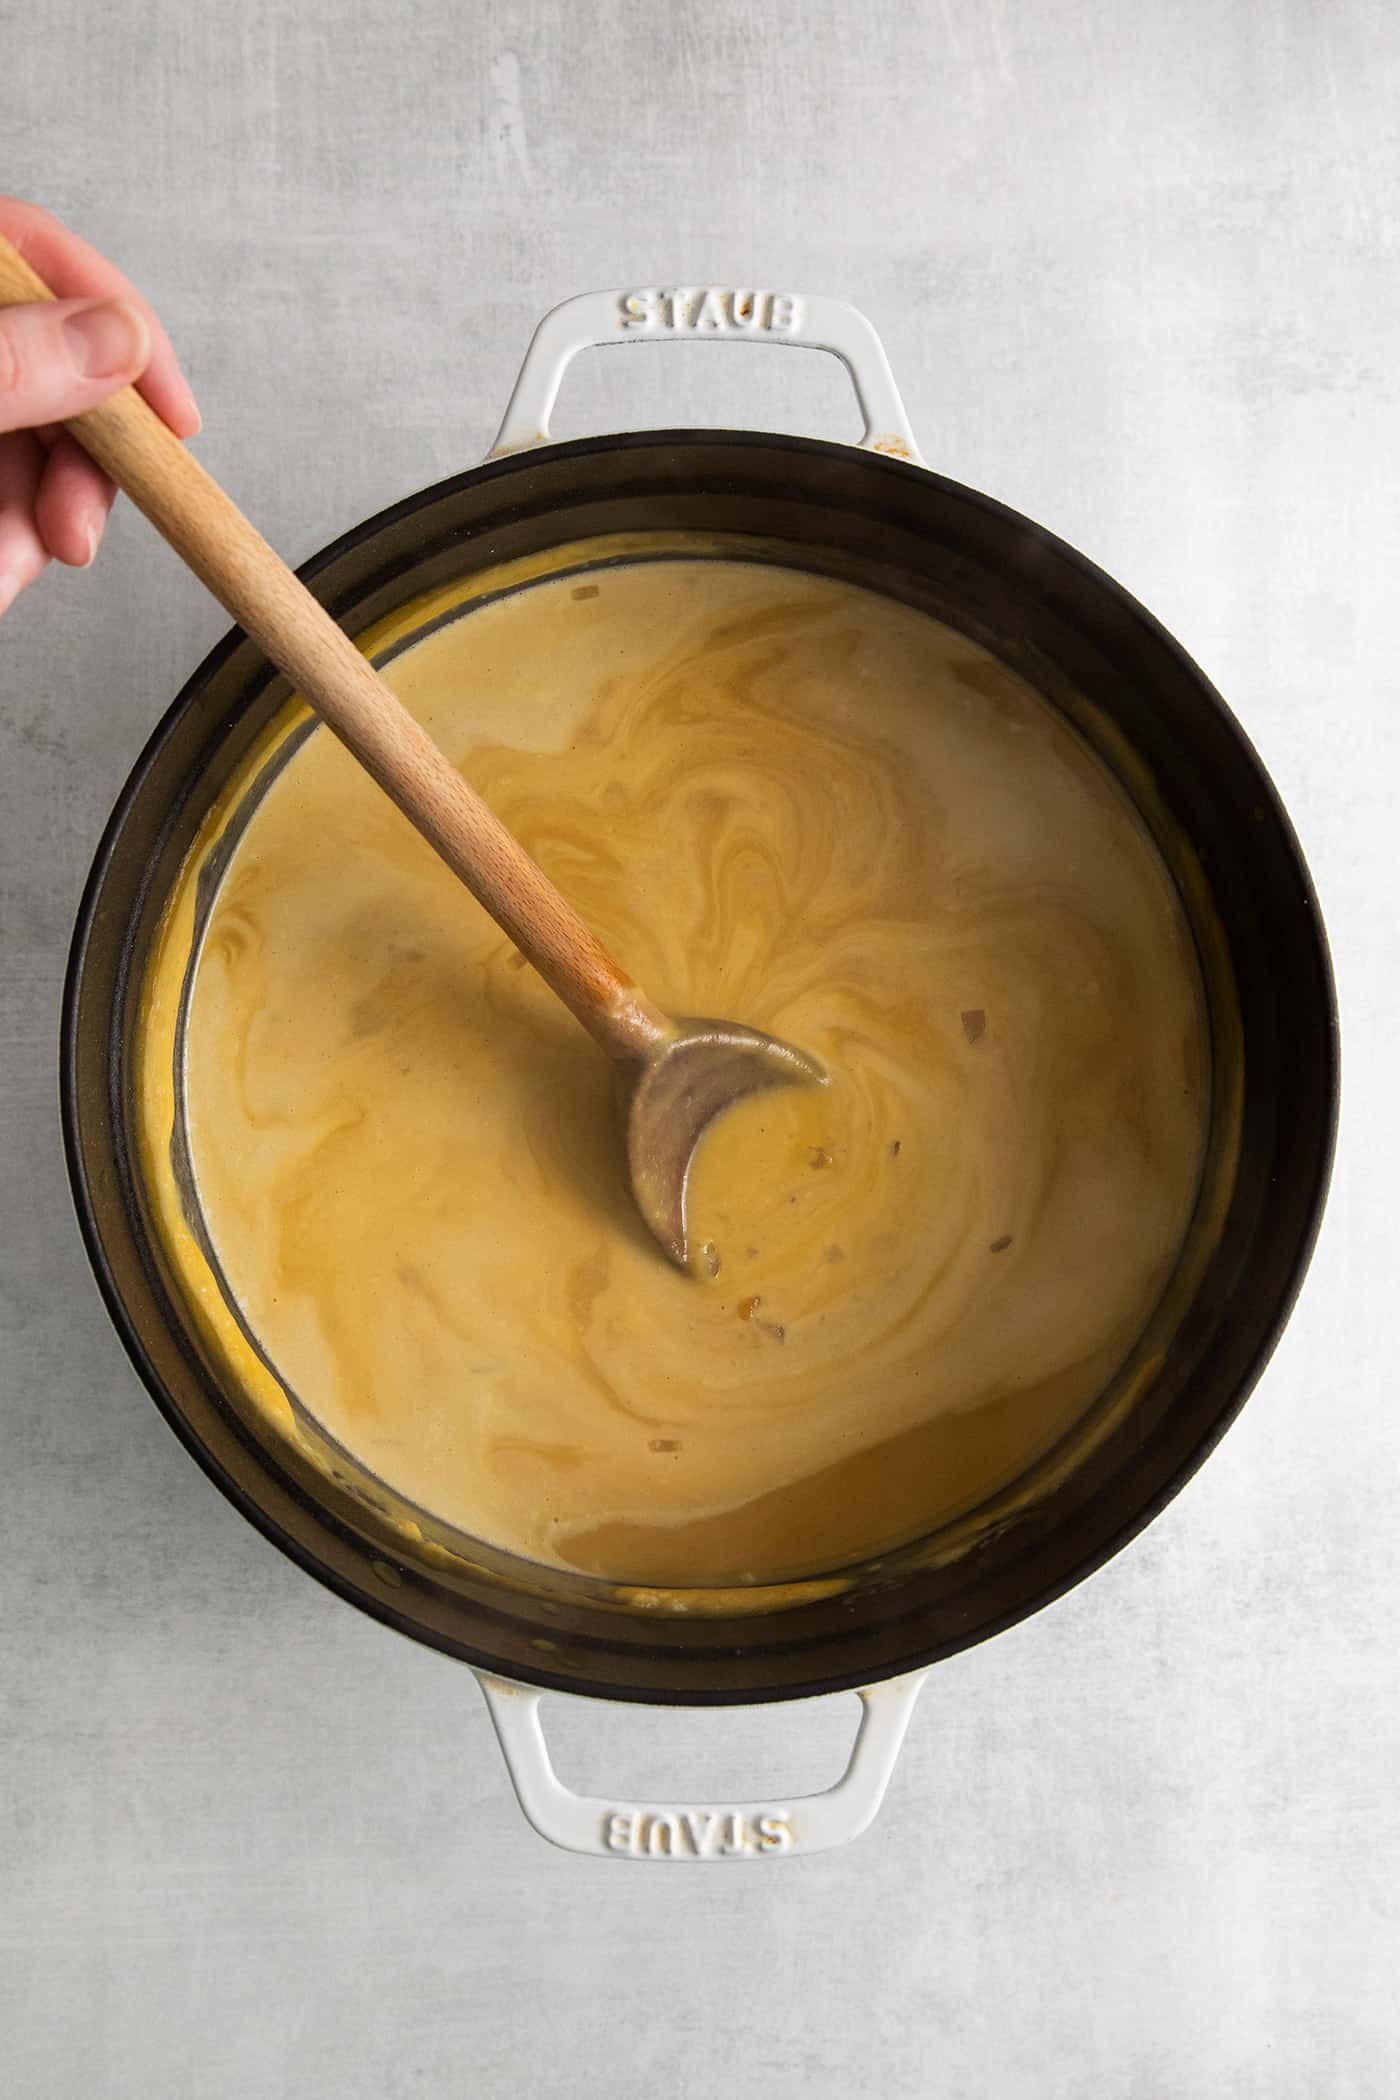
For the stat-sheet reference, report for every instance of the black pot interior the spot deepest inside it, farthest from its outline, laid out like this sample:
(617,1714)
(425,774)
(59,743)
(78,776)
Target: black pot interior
(1131,692)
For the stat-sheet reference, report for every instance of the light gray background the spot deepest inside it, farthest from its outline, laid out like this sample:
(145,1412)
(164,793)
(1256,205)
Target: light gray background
(1136,267)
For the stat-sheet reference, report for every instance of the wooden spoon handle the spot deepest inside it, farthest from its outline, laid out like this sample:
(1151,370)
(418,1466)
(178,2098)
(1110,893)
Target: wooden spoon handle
(209,532)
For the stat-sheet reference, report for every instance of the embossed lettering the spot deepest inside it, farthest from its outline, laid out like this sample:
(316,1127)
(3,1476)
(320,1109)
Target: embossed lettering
(664,1835)
(623,1830)
(638,309)
(711,307)
(703,1830)
(736,1837)
(695,1833)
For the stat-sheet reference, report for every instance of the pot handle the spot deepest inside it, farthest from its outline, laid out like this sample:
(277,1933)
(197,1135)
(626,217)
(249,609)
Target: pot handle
(705,314)
(672,1830)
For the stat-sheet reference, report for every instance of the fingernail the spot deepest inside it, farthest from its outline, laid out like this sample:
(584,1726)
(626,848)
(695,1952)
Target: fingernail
(107,339)
(9,591)
(86,562)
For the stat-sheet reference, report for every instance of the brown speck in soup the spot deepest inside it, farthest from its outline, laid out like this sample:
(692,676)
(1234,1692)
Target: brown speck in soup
(1000,1246)
(818,1156)
(895,1144)
(584,590)
(747,1309)
(664,1443)
(974,1021)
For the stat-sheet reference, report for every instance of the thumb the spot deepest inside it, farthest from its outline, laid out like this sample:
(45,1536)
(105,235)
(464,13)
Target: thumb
(60,356)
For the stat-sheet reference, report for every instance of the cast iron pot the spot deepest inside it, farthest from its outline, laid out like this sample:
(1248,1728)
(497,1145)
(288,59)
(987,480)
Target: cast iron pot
(872,514)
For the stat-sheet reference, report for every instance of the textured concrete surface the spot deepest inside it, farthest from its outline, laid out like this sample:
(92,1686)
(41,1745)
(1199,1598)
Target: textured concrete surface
(1138,270)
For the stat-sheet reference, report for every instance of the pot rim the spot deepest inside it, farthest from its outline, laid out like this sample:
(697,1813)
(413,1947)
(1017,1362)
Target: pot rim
(383,1608)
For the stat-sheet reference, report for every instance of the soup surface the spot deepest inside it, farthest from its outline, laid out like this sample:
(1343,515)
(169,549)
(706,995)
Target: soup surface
(782,799)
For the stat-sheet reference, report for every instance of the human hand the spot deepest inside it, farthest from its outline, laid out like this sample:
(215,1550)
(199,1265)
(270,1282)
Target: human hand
(58,358)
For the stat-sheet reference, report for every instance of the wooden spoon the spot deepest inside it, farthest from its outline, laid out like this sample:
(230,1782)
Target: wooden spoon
(675,1076)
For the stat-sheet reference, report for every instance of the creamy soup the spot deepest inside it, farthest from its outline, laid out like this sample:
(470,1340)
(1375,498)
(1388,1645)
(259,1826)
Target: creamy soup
(782,799)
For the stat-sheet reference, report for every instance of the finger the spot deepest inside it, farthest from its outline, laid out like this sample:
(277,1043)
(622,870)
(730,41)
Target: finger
(72,269)
(22,552)
(60,356)
(71,506)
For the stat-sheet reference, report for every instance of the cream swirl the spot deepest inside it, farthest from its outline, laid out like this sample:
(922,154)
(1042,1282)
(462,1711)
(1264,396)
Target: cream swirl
(779,798)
